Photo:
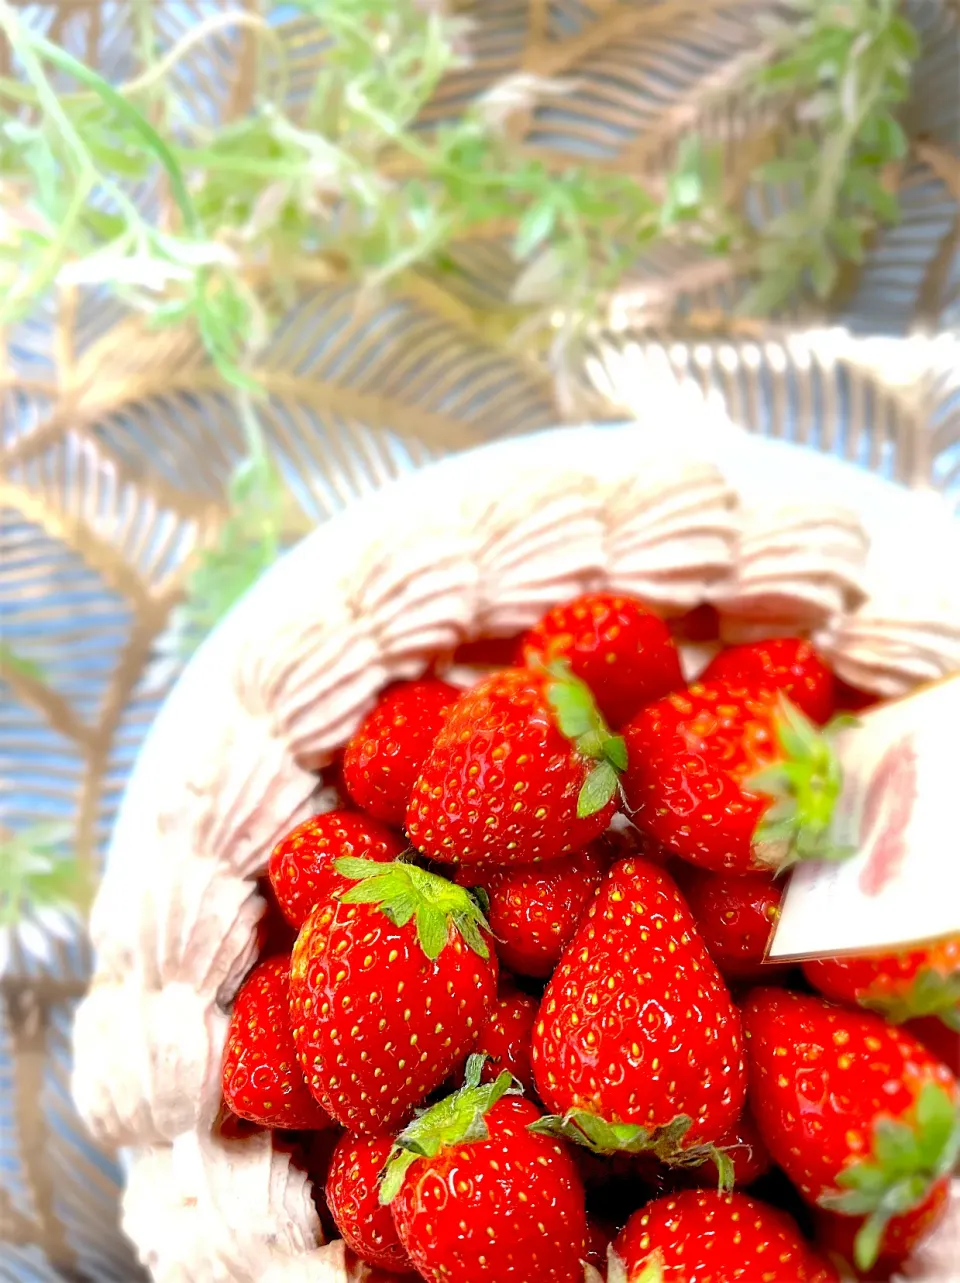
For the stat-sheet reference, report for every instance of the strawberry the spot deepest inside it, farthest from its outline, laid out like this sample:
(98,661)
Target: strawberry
(261,1079)
(477,1195)
(787,664)
(597,1244)
(301,868)
(859,1115)
(523,769)
(637,1046)
(383,759)
(735,917)
(618,646)
(534,909)
(506,1034)
(900,986)
(902,1235)
(353,1196)
(732,779)
(400,941)
(713,1238)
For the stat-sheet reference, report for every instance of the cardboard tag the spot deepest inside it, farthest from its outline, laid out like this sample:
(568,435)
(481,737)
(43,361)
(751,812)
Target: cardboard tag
(900,811)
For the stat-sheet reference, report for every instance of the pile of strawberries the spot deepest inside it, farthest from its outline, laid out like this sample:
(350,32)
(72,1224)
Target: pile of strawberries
(525,1033)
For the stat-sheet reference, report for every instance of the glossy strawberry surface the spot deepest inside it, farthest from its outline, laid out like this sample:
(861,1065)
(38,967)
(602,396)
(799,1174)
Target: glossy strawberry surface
(636,1026)
(822,1077)
(383,758)
(705,1237)
(912,983)
(501,783)
(735,915)
(301,868)
(506,1035)
(352,1192)
(690,760)
(262,1080)
(614,643)
(378,1024)
(787,664)
(534,909)
(507,1209)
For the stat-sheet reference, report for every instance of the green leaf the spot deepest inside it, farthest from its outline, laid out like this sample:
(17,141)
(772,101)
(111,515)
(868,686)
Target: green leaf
(20,665)
(403,891)
(572,702)
(597,790)
(432,930)
(866,1247)
(458,1119)
(534,228)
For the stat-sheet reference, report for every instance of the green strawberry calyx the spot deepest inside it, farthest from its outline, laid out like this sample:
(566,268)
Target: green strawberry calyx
(581,722)
(404,891)
(933,993)
(458,1119)
(600,1137)
(805,786)
(909,1156)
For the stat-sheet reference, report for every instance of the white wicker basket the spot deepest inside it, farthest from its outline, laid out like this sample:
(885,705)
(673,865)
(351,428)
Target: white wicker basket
(479,544)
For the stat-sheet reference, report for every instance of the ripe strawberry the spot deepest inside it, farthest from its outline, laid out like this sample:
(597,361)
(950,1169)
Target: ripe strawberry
(301,868)
(618,646)
(399,941)
(262,1081)
(787,664)
(534,909)
(637,1046)
(506,1034)
(713,1238)
(902,1235)
(858,1114)
(477,1195)
(523,769)
(383,759)
(353,1196)
(900,986)
(735,916)
(732,779)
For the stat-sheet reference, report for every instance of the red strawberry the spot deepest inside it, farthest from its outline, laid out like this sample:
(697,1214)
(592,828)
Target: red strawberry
(391,983)
(523,769)
(787,664)
(747,1155)
(735,916)
(731,779)
(901,986)
(858,1114)
(902,1235)
(506,1035)
(302,869)
(262,1081)
(477,1195)
(615,644)
(713,1238)
(353,1197)
(637,1045)
(384,757)
(534,909)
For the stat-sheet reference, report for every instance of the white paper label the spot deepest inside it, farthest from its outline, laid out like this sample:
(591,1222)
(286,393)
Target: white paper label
(900,811)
